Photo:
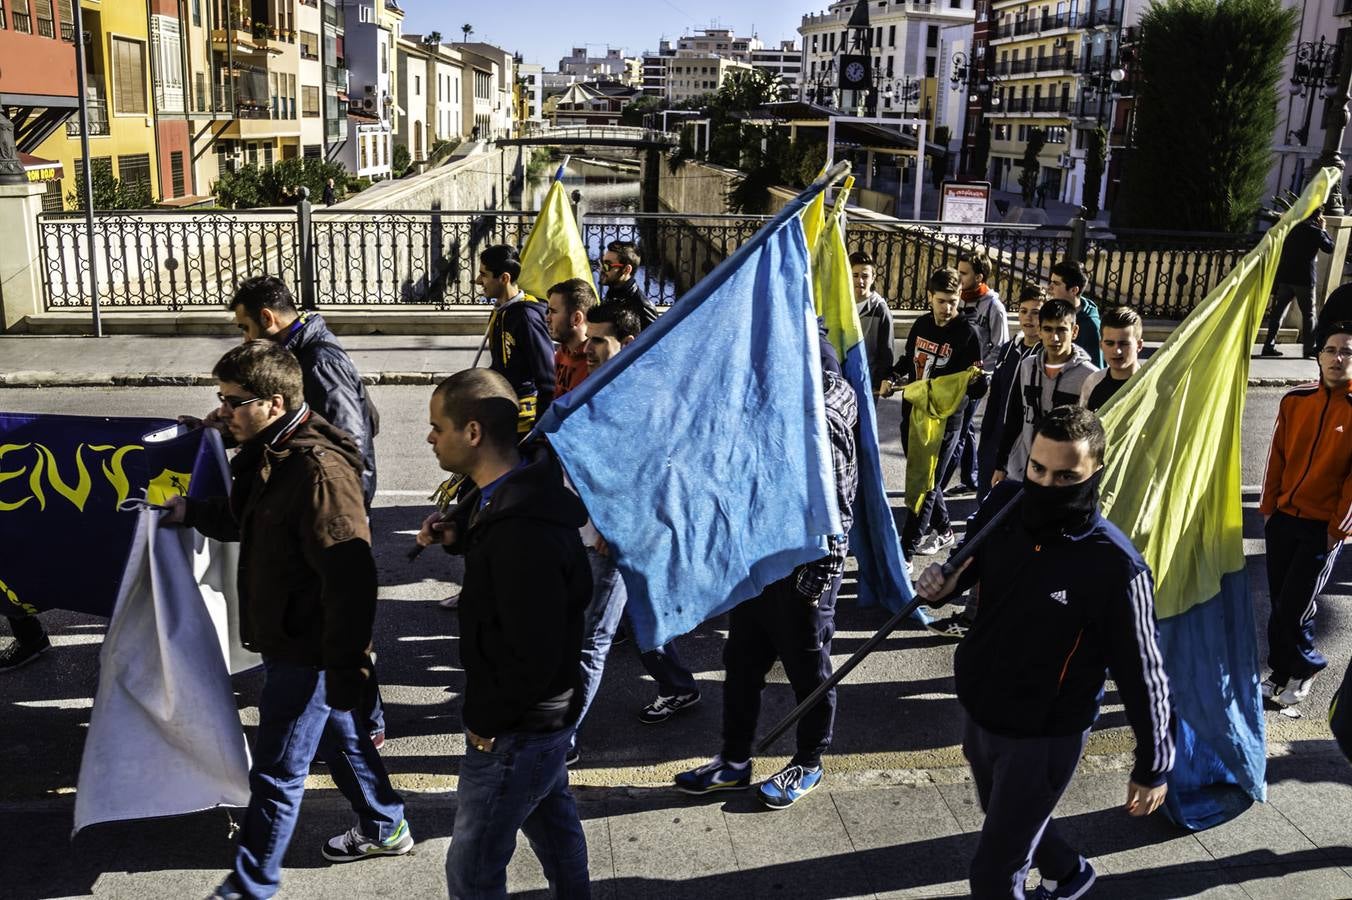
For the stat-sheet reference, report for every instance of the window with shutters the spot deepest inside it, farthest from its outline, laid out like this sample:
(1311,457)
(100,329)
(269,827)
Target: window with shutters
(129,77)
(51,201)
(310,101)
(42,11)
(134,170)
(176,172)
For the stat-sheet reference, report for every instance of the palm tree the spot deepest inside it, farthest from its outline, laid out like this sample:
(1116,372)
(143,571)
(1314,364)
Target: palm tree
(468,29)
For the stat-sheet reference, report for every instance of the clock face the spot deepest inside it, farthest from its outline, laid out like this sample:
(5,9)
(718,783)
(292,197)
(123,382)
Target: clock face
(854,71)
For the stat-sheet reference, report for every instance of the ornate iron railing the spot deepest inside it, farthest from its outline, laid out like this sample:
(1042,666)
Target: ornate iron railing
(428,259)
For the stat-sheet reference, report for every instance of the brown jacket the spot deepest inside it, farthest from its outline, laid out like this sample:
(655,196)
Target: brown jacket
(307,579)
(1309,468)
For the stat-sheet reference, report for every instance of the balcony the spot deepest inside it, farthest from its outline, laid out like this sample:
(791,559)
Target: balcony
(1054,105)
(97,105)
(1040,65)
(1036,25)
(1102,18)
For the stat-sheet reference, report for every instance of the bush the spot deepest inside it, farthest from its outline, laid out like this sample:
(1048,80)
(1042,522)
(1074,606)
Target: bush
(110,192)
(251,186)
(400,161)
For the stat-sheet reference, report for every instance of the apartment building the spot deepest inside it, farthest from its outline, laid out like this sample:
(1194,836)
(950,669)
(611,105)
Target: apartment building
(692,75)
(1054,62)
(904,44)
(372,30)
(530,78)
(38,88)
(489,95)
(429,93)
(784,62)
(613,66)
(655,66)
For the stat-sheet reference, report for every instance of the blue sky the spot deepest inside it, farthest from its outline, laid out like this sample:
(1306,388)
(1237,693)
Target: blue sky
(545,31)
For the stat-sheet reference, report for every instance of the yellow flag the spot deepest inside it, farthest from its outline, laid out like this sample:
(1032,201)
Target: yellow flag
(832,291)
(814,217)
(554,251)
(932,401)
(1172,469)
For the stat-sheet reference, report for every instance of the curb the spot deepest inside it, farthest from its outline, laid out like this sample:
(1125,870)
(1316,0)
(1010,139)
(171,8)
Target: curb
(157,379)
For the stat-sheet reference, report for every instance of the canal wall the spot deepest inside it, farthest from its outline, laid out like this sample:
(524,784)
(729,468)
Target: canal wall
(479,182)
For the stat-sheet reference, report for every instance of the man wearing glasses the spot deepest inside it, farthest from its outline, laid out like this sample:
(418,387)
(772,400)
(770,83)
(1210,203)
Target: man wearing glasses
(1307,512)
(307,586)
(618,266)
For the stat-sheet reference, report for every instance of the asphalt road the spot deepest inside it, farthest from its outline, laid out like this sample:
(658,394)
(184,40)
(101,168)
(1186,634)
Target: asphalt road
(897,712)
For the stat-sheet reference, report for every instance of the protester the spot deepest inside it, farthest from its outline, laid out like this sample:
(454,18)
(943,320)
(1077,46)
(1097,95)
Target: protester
(981,307)
(30,642)
(1003,379)
(1064,596)
(940,343)
(1122,343)
(619,267)
(793,621)
(518,337)
(1045,381)
(526,589)
(875,319)
(569,303)
(1295,280)
(1307,513)
(611,328)
(307,586)
(264,307)
(1068,281)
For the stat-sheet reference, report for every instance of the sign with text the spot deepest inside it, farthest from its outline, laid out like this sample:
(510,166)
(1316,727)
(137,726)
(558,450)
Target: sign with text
(964,203)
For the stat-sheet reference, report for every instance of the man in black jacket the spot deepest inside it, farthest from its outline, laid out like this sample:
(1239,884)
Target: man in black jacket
(619,266)
(1295,281)
(520,638)
(1064,597)
(519,345)
(307,585)
(265,307)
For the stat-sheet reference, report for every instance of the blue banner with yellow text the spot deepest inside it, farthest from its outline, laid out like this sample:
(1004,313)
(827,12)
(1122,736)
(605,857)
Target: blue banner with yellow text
(62,479)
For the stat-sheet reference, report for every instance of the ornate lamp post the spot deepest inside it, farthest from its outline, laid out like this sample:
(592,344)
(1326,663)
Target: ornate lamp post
(967,74)
(1336,113)
(1314,74)
(1099,86)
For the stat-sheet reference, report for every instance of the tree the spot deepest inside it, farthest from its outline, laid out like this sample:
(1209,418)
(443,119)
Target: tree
(110,192)
(278,185)
(432,38)
(1037,139)
(400,161)
(1095,160)
(635,113)
(467,29)
(1204,120)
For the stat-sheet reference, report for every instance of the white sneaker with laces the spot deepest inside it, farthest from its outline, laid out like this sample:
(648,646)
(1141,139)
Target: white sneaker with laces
(353,845)
(1296,690)
(935,541)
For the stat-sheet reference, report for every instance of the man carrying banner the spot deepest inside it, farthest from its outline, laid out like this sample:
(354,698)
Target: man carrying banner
(1065,596)
(518,336)
(619,266)
(793,621)
(526,589)
(307,585)
(1307,513)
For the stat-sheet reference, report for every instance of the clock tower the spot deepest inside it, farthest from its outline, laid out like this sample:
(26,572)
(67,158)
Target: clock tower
(856,62)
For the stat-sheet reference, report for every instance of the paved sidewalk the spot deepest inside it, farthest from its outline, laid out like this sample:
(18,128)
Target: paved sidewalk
(843,840)
(145,360)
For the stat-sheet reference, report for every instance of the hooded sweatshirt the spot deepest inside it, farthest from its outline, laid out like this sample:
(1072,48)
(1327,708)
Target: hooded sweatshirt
(1033,395)
(526,588)
(523,352)
(307,579)
(982,307)
(875,320)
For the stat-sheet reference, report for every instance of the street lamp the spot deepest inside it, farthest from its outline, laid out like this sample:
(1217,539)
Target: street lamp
(824,87)
(1099,85)
(965,74)
(1314,74)
(907,87)
(1336,114)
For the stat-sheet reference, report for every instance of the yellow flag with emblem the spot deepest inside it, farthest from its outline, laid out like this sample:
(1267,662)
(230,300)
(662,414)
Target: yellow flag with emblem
(932,401)
(554,250)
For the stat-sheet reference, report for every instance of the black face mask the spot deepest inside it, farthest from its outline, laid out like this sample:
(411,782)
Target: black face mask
(1053,510)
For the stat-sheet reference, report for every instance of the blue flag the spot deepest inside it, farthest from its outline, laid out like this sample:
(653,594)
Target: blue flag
(61,480)
(701,450)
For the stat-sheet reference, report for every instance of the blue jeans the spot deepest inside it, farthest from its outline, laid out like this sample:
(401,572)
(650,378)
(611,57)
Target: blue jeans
(598,626)
(295,724)
(521,784)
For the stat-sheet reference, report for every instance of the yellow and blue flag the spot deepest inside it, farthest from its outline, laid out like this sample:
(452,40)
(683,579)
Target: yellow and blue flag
(1172,483)
(933,401)
(67,475)
(725,480)
(873,537)
(554,250)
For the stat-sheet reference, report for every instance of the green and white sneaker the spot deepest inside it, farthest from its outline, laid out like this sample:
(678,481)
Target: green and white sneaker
(352,845)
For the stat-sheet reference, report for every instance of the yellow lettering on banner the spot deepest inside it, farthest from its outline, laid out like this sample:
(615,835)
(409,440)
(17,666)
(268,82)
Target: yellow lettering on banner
(6,476)
(77,495)
(13,599)
(113,471)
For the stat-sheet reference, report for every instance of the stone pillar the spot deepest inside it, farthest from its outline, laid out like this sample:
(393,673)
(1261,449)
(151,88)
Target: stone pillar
(20,269)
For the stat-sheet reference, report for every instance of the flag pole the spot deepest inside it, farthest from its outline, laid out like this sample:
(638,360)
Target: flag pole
(953,563)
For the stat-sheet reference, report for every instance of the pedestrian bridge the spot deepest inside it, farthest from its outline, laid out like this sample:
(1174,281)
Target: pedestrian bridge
(595,136)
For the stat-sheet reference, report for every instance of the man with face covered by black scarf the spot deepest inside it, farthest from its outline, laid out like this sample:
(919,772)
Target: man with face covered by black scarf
(1064,597)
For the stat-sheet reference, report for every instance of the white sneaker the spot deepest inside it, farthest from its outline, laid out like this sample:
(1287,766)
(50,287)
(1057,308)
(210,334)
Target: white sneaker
(1296,690)
(933,542)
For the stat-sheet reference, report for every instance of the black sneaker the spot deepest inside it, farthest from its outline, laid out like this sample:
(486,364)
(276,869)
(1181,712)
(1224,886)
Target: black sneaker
(16,654)
(953,627)
(664,708)
(572,758)
(1269,350)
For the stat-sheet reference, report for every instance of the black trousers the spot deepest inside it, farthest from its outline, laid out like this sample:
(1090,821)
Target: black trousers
(1019,781)
(783,624)
(1282,295)
(1299,563)
(28,631)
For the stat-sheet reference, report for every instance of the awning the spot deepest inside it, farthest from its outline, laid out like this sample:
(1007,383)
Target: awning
(41,170)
